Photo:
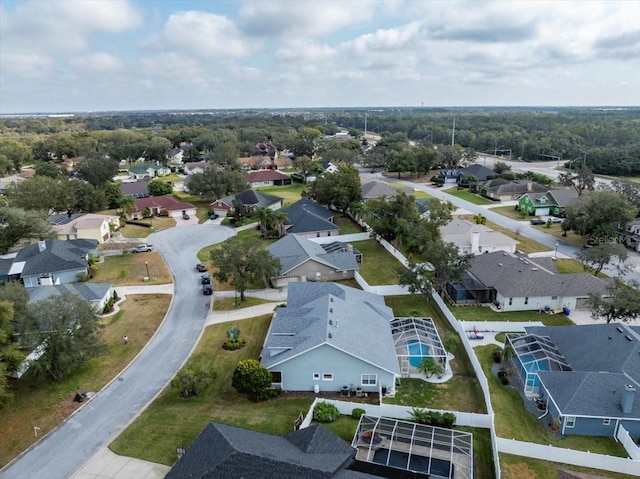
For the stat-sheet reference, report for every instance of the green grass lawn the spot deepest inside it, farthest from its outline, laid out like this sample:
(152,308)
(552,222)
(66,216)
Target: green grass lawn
(131,268)
(483,467)
(227,304)
(509,212)
(378,267)
(507,405)
(556,231)
(290,193)
(171,421)
(346,224)
(482,313)
(526,245)
(518,467)
(464,194)
(568,266)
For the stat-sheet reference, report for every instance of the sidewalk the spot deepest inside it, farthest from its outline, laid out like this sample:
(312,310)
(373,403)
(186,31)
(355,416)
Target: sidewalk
(279,296)
(144,289)
(107,465)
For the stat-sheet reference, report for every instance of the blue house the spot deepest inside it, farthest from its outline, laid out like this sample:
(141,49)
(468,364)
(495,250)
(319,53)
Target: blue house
(52,262)
(331,337)
(586,377)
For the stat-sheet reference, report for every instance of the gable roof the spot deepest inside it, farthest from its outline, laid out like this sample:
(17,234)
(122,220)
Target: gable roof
(251,198)
(450,172)
(377,189)
(347,319)
(479,171)
(232,452)
(137,189)
(500,186)
(459,232)
(63,224)
(168,203)
(192,165)
(265,175)
(87,291)
(307,216)
(145,167)
(293,250)
(560,198)
(518,276)
(57,256)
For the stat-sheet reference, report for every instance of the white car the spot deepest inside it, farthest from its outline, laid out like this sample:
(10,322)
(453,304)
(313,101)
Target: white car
(141,248)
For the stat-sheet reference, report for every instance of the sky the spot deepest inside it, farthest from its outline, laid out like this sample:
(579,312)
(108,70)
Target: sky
(85,55)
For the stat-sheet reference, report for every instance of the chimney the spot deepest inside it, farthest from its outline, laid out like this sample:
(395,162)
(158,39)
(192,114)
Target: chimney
(529,185)
(628,395)
(475,242)
(42,245)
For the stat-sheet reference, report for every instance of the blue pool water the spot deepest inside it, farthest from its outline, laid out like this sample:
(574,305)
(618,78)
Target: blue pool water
(533,366)
(417,352)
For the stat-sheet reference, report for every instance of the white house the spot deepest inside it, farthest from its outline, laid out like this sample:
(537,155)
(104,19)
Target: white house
(471,238)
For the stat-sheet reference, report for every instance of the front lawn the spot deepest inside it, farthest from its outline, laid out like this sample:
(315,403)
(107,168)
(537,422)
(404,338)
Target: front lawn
(378,267)
(484,313)
(131,268)
(507,405)
(526,245)
(510,212)
(171,422)
(48,403)
(227,304)
(466,195)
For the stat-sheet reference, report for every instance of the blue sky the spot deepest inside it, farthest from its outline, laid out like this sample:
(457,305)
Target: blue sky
(86,55)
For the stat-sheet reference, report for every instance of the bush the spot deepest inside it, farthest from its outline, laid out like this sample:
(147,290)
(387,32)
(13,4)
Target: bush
(193,379)
(325,412)
(231,345)
(357,413)
(433,418)
(83,277)
(253,379)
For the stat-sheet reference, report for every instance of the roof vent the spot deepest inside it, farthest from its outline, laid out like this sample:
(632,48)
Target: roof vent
(499,264)
(628,338)
(331,310)
(330,323)
(504,254)
(330,336)
(534,269)
(331,299)
(620,330)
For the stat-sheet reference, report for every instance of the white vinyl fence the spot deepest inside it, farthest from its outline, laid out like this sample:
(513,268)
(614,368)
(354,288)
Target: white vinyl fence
(386,290)
(628,443)
(342,238)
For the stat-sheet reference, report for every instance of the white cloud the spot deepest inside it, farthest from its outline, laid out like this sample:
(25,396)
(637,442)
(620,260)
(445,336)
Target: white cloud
(309,51)
(393,39)
(99,61)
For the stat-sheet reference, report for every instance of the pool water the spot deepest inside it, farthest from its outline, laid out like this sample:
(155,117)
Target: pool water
(533,367)
(417,352)
(398,459)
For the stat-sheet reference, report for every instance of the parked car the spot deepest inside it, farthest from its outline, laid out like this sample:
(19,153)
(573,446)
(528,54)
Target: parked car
(207,289)
(141,248)
(214,217)
(205,279)
(537,221)
(587,246)
(555,221)
(201,268)
(185,216)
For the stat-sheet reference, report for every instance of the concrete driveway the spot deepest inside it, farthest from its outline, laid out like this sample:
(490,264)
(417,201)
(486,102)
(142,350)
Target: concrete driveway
(63,451)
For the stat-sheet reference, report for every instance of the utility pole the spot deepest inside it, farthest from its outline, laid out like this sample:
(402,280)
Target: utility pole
(365,125)
(453,131)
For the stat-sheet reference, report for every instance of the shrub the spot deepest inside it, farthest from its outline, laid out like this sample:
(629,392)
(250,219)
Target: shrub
(325,412)
(82,277)
(253,379)
(433,418)
(193,379)
(230,345)
(357,413)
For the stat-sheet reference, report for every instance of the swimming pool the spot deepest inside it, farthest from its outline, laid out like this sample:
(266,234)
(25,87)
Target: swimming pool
(399,459)
(417,352)
(533,366)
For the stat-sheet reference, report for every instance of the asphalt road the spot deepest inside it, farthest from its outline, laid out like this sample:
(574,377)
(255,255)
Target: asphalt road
(60,454)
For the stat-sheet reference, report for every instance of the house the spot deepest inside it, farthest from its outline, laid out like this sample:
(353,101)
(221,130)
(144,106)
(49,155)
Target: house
(261,178)
(471,238)
(159,204)
(552,202)
(308,218)
(135,189)
(148,170)
(52,262)
(175,156)
(586,377)
(301,259)
(84,226)
(481,173)
(98,294)
(518,283)
(329,337)
(193,167)
(10,182)
(250,200)
(500,189)
(378,189)
(249,163)
(234,453)
(630,235)
(450,175)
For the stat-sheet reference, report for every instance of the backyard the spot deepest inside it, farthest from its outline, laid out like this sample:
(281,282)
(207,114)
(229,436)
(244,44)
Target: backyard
(484,313)
(378,267)
(130,269)
(518,467)
(48,403)
(290,193)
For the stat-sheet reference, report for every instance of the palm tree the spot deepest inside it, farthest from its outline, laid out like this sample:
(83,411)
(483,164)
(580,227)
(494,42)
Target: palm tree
(264,217)
(127,204)
(479,219)
(278,220)
(429,367)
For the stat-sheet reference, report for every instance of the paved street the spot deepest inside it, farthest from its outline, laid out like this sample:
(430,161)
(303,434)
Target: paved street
(62,452)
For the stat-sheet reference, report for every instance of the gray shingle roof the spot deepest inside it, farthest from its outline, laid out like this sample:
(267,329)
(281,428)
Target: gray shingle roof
(307,216)
(252,198)
(480,172)
(559,198)
(348,319)
(377,189)
(517,276)
(459,231)
(58,256)
(294,250)
(87,291)
(230,452)
(602,360)
(501,186)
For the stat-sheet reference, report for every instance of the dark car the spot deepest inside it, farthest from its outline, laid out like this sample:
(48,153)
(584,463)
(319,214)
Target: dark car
(207,289)
(205,279)
(185,216)
(201,268)
(214,217)
(537,221)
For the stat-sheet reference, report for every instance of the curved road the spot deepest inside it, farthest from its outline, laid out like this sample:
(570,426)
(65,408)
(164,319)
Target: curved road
(61,453)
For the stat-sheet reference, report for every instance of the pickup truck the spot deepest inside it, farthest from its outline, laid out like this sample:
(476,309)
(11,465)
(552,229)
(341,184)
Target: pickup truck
(141,248)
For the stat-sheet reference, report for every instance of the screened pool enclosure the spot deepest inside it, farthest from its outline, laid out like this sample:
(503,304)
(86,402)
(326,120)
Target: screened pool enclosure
(417,339)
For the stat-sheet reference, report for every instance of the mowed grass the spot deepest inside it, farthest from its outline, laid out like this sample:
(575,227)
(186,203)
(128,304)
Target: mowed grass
(290,193)
(462,392)
(509,212)
(130,269)
(378,267)
(46,404)
(346,224)
(526,245)
(512,421)
(172,422)
(518,467)
(466,195)
(568,266)
(483,313)
(227,304)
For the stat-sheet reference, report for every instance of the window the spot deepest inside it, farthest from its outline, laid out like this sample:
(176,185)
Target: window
(554,297)
(266,182)
(316,376)
(276,377)
(510,301)
(570,421)
(606,421)
(332,272)
(369,379)
(327,377)
(526,300)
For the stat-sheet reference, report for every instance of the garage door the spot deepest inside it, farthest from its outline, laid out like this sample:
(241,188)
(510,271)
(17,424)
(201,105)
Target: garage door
(582,303)
(542,212)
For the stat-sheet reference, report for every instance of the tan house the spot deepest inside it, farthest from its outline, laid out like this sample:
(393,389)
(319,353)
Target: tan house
(84,226)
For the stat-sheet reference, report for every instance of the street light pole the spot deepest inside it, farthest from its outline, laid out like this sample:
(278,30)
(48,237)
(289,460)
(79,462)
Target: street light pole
(556,252)
(146,264)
